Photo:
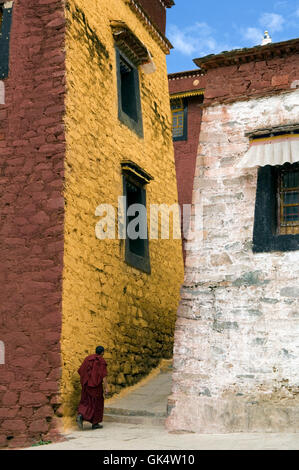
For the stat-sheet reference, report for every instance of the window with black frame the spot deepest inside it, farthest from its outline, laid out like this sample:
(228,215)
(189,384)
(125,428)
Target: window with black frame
(275,153)
(5,28)
(276,225)
(128,90)
(131,56)
(134,191)
(288,200)
(129,102)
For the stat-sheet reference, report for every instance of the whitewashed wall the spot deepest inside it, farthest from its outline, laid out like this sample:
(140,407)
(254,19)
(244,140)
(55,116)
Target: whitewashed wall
(236,356)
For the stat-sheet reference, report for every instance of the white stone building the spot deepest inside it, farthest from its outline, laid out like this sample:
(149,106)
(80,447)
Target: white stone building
(236,355)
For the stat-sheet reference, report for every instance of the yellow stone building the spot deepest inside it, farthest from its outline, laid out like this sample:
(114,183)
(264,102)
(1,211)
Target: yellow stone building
(121,295)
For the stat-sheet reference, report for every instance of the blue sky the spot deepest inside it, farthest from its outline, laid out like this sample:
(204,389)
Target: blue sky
(197,28)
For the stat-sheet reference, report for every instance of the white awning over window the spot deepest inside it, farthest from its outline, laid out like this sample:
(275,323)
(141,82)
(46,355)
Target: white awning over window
(272,150)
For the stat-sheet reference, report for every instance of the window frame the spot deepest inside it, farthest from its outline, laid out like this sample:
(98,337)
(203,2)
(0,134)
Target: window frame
(142,263)
(136,126)
(266,236)
(5,29)
(283,224)
(185,118)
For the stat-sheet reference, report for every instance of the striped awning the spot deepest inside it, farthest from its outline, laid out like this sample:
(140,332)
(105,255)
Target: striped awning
(271,150)
(186,94)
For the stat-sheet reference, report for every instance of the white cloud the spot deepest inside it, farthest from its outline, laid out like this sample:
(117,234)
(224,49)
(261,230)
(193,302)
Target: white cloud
(280,4)
(181,41)
(297,12)
(268,21)
(272,22)
(196,39)
(254,35)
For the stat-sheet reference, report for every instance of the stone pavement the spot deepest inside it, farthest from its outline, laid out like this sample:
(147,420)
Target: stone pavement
(135,421)
(119,436)
(146,403)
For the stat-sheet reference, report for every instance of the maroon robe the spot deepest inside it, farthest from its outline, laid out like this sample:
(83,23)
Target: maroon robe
(92,372)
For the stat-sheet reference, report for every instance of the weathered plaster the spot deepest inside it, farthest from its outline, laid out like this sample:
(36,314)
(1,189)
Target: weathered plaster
(2,93)
(106,301)
(32,150)
(236,352)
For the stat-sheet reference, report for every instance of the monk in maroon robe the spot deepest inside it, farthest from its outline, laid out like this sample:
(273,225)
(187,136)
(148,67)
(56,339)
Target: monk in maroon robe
(93,373)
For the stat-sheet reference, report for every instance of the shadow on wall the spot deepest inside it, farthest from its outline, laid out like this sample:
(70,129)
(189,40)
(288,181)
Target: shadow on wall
(70,408)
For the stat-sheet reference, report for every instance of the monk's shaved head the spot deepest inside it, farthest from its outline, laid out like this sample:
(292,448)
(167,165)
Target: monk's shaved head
(99,350)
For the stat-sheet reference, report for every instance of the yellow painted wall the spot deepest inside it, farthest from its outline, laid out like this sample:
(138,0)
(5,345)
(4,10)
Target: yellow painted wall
(105,301)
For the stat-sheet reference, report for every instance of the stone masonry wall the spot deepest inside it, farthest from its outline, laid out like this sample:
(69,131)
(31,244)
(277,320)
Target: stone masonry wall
(106,301)
(236,343)
(255,78)
(31,233)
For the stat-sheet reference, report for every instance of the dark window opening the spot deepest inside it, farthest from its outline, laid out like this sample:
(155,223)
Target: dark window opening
(136,249)
(1,16)
(276,224)
(134,196)
(129,101)
(128,92)
(288,200)
(5,27)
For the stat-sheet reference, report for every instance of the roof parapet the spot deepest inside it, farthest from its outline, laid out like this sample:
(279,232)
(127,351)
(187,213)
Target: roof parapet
(241,56)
